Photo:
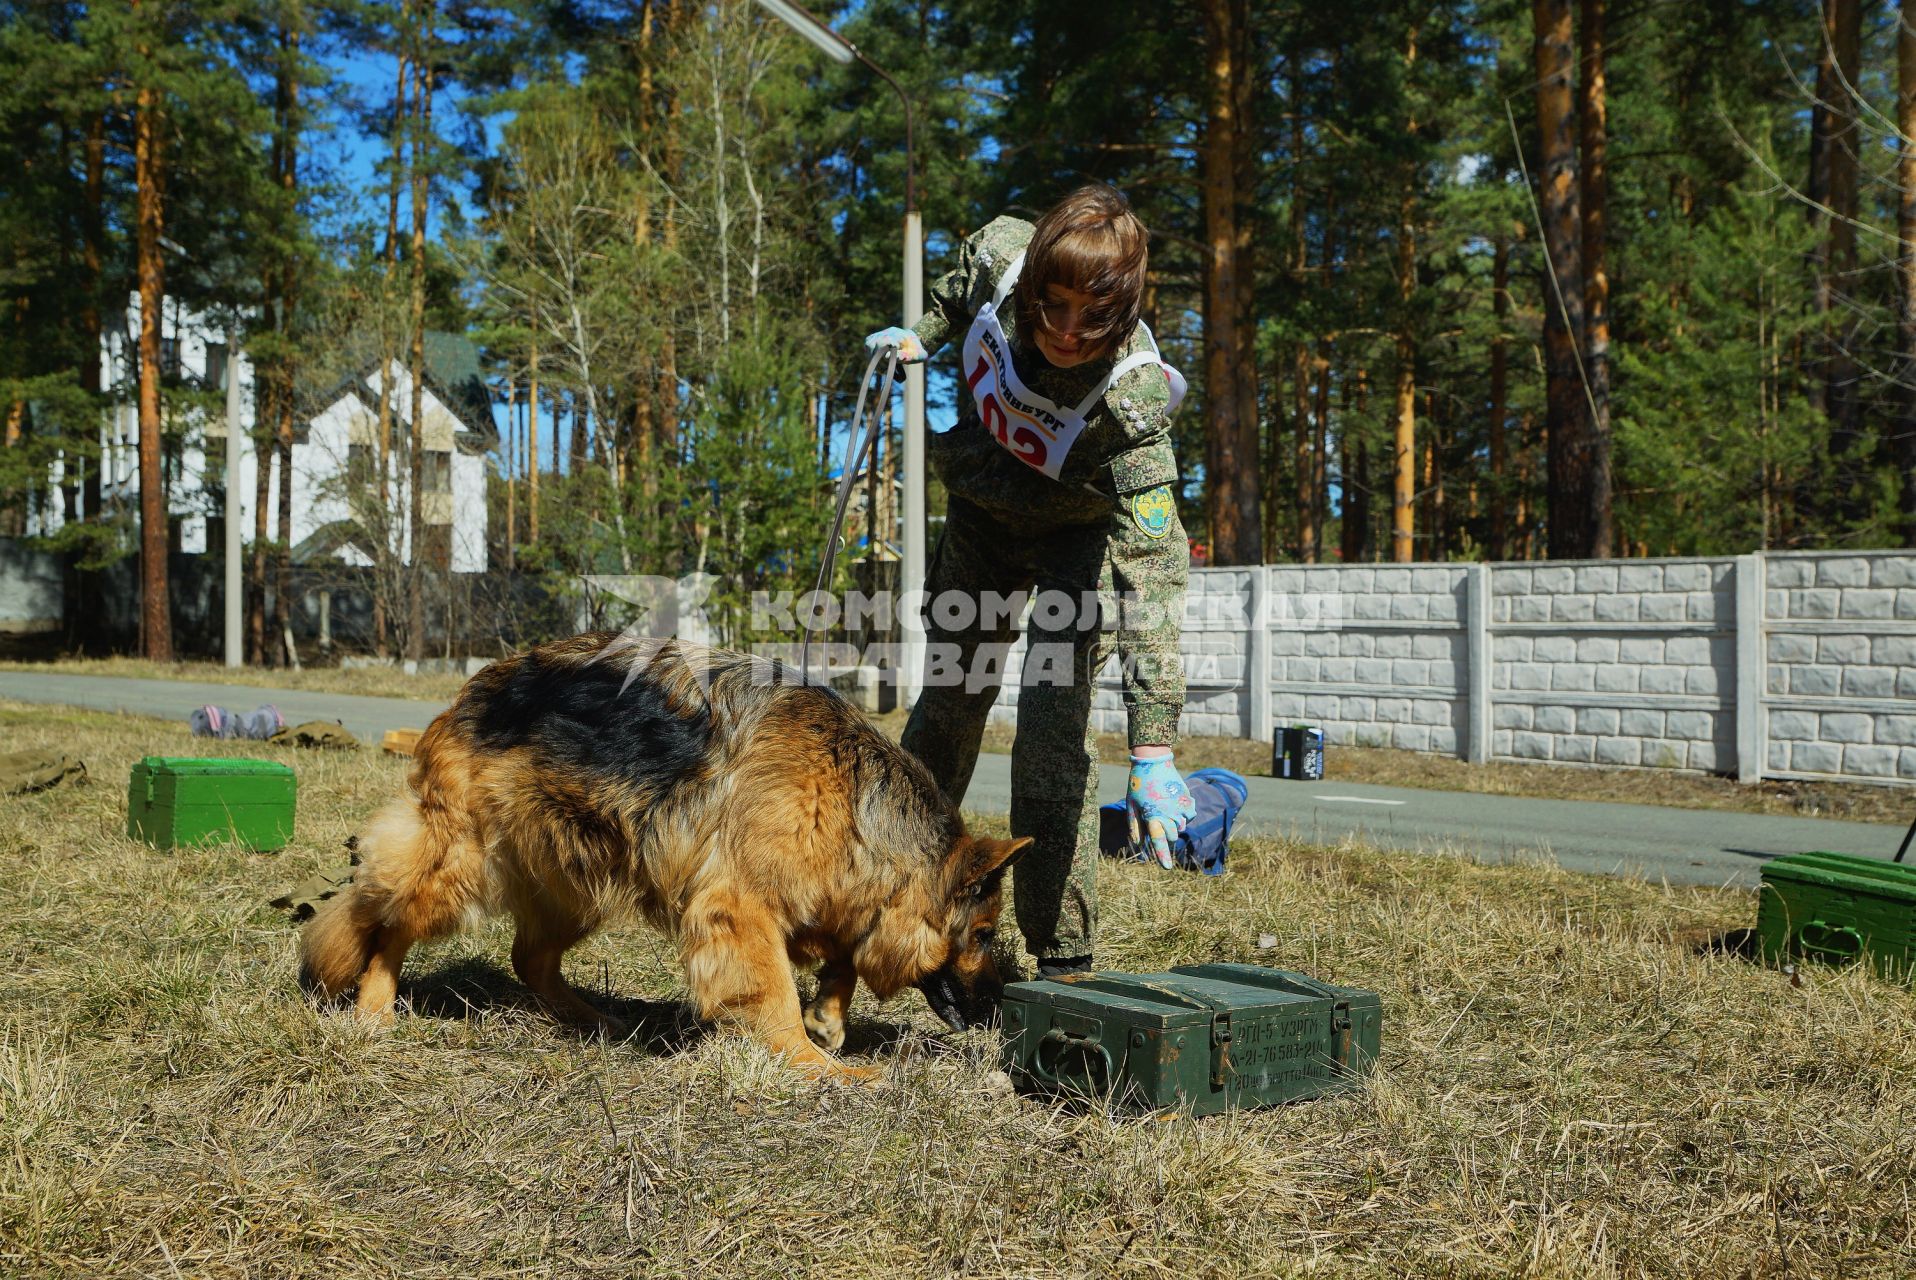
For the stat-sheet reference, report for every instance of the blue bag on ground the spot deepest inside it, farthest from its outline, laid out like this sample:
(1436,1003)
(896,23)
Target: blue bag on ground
(1219,795)
(219,722)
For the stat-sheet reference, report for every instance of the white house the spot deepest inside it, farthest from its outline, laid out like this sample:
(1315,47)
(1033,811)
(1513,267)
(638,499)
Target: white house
(458,433)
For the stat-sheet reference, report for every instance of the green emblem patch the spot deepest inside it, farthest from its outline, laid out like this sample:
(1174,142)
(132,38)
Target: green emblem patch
(1153,510)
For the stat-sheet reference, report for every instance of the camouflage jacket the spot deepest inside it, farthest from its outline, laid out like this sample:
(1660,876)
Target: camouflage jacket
(1121,474)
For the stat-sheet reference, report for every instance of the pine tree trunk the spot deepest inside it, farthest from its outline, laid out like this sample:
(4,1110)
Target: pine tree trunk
(1404,441)
(1271,501)
(263,455)
(1404,419)
(1593,177)
(1320,430)
(1244,179)
(532,450)
(1354,535)
(386,567)
(156,622)
(286,148)
(93,259)
(1525,521)
(576,455)
(415,514)
(1301,450)
(1903,450)
(1566,418)
(1844,28)
(1232,454)
(1299,470)
(512,482)
(1494,545)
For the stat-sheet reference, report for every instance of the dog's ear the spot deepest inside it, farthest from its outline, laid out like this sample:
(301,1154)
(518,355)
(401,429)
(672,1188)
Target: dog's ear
(981,862)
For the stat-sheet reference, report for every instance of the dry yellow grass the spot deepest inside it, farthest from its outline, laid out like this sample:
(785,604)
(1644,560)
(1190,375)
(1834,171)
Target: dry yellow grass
(1570,1086)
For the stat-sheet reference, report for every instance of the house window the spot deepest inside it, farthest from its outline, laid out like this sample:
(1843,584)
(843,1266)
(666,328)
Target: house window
(169,357)
(436,472)
(360,467)
(215,366)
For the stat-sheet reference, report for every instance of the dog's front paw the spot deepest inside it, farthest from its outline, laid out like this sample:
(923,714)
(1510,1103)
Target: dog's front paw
(825,1026)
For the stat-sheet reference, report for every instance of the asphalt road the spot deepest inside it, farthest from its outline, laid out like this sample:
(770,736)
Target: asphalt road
(1682,846)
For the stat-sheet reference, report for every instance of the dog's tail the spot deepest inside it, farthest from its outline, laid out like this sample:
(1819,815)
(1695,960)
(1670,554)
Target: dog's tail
(338,943)
(420,874)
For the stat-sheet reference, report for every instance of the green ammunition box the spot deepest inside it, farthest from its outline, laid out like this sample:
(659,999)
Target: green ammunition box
(1206,1037)
(1838,907)
(178,800)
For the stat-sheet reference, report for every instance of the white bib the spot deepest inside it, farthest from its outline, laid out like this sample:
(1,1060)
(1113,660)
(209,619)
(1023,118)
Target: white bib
(1038,432)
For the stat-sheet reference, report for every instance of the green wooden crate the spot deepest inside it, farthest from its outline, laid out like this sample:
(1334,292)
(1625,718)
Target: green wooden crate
(1838,907)
(1206,1037)
(179,800)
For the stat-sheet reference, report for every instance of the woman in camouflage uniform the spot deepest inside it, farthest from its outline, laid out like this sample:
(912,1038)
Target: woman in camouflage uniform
(1061,482)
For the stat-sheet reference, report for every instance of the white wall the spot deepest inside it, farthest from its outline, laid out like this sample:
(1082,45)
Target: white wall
(1794,665)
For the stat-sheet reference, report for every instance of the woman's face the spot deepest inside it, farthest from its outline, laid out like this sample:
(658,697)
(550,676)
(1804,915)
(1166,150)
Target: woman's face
(1064,309)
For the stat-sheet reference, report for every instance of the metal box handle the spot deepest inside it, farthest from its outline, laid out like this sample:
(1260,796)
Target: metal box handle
(1831,942)
(1064,1042)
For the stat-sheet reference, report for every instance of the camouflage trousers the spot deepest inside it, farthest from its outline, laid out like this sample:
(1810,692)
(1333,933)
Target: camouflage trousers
(1054,758)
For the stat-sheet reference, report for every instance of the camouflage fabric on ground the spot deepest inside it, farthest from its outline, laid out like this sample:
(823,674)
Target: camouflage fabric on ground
(23,772)
(303,899)
(316,733)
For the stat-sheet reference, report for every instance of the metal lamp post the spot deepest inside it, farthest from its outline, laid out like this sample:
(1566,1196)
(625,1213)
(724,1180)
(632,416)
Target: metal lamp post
(912,579)
(232,646)
(235,651)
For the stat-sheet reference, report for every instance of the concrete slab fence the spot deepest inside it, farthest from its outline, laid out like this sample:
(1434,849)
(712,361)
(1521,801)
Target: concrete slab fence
(1772,665)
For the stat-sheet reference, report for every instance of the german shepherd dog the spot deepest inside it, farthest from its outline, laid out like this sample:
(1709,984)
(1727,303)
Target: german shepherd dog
(762,823)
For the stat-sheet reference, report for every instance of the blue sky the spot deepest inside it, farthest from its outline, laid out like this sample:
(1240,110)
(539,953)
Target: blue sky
(365,80)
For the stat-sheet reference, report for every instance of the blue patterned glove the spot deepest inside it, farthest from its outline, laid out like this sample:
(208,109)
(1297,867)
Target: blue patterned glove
(910,349)
(1159,806)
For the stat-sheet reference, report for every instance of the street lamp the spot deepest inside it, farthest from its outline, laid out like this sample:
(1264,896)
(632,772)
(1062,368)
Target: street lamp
(912,579)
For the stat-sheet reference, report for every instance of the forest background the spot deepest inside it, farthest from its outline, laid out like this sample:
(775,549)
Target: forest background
(1450,281)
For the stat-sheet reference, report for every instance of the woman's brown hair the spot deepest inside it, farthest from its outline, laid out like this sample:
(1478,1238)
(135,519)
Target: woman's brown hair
(1091,241)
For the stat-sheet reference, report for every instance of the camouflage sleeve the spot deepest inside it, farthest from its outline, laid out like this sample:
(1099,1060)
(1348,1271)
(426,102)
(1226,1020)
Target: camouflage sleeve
(1140,445)
(1150,560)
(955,297)
(1141,403)
(948,305)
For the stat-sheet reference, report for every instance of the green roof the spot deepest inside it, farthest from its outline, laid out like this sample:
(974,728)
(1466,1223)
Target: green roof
(453,373)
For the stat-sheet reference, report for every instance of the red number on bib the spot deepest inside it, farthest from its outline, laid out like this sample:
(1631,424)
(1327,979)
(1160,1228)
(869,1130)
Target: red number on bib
(977,375)
(1028,446)
(993,415)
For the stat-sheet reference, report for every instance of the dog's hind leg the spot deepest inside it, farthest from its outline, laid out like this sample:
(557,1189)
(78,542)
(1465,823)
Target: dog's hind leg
(379,984)
(738,972)
(825,1015)
(416,881)
(546,933)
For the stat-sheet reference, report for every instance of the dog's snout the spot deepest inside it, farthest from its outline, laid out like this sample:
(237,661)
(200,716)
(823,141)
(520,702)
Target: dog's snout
(961,1006)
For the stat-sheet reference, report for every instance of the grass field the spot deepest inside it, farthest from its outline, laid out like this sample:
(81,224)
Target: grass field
(1573,1084)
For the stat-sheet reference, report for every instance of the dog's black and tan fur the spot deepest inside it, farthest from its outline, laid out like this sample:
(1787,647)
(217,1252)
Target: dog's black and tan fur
(761,824)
